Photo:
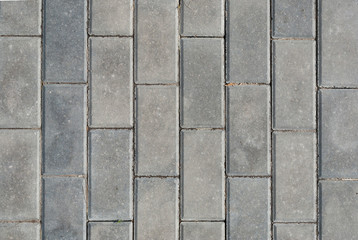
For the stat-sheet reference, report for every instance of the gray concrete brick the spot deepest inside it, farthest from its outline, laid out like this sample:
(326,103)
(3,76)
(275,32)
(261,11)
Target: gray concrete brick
(20,18)
(112,231)
(338,210)
(156,41)
(157,130)
(20,231)
(202,17)
(65,41)
(248,41)
(294,231)
(339,43)
(111,82)
(64,129)
(20,82)
(294,176)
(64,208)
(19,174)
(338,133)
(202,230)
(248,208)
(203,184)
(202,83)
(294,18)
(248,137)
(110,176)
(294,82)
(157,208)
(111,17)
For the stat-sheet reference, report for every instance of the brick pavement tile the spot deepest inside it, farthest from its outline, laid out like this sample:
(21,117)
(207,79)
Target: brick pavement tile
(202,230)
(294,231)
(20,231)
(110,231)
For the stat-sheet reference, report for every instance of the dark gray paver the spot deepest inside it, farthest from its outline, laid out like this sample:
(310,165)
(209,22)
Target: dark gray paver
(248,208)
(19,175)
(64,129)
(248,41)
(202,83)
(111,17)
(64,209)
(156,41)
(248,130)
(338,210)
(202,17)
(339,43)
(65,41)
(111,82)
(157,130)
(110,231)
(110,174)
(202,230)
(294,18)
(294,82)
(295,231)
(294,176)
(20,231)
(156,208)
(20,82)
(338,133)
(203,184)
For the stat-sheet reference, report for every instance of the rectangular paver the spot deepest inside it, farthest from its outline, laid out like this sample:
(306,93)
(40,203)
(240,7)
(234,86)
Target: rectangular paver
(19,231)
(156,208)
(294,176)
(157,130)
(65,41)
(111,82)
(111,17)
(202,230)
(202,83)
(339,133)
(339,43)
(294,231)
(64,129)
(248,208)
(20,82)
(203,184)
(248,41)
(19,175)
(202,17)
(112,231)
(156,41)
(294,84)
(110,176)
(248,137)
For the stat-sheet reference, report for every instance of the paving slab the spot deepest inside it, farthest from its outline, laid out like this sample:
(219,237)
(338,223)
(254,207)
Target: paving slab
(202,230)
(20,231)
(112,231)
(295,231)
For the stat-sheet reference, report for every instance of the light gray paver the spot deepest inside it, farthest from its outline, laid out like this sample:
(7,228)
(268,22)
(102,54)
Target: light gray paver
(19,174)
(248,208)
(202,83)
(338,210)
(294,85)
(64,129)
(202,230)
(294,176)
(111,82)
(339,43)
(203,184)
(248,41)
(110,176)
(294,18)
(202,17)
(338,133)
(20,231)
(156,41)
(157,130)
(64,208)
(295,231)
(20,18)
(111,17)
(65,41)
(20,82)
(110,231)
(157,208)
(249,126)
